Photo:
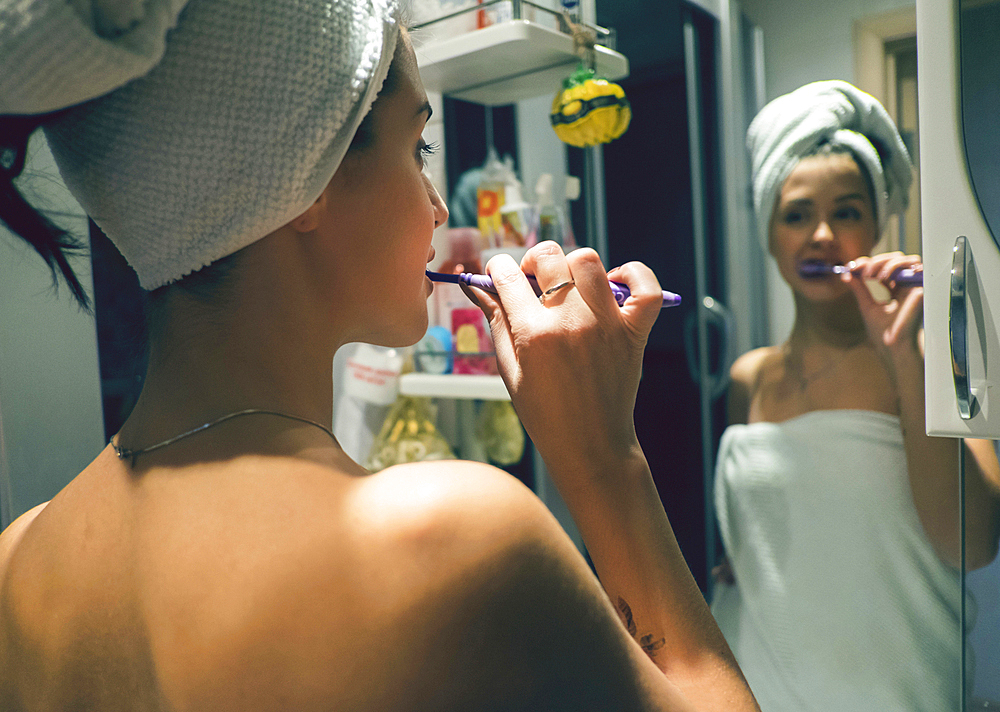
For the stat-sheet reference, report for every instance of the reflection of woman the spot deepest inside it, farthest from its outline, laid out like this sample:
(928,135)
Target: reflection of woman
(223,553)
(839,515)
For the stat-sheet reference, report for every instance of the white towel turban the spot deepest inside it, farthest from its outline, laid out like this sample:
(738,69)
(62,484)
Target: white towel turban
(835,112)
(226,135)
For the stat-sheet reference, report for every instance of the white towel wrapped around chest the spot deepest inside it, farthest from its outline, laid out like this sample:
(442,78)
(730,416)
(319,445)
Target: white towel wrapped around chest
(840,602)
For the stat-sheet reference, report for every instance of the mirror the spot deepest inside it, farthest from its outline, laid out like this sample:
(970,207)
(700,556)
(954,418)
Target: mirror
(979,23)
(797,569)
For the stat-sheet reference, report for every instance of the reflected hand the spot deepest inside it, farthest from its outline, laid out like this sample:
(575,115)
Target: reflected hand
(893,326)
(572,363)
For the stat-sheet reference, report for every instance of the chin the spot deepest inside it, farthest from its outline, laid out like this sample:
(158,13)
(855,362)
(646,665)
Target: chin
(825,292)
(398,335)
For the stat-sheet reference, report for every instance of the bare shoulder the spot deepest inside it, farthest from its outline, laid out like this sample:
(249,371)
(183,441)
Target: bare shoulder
(746,369)
(12,535)
(443,498)
(9,540)
(510,611)
(438,585)
(745,376)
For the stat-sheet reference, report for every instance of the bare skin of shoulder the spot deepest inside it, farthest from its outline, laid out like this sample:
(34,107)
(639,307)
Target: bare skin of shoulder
(772,385)
(300,585)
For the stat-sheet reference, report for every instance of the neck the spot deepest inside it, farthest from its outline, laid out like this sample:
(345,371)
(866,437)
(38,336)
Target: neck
(836,323)
(249,353)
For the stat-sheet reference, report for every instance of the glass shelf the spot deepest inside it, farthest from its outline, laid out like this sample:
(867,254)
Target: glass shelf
(458,386)
(507,62)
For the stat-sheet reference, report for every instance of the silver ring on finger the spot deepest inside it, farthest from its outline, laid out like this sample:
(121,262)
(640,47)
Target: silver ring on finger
(552,290)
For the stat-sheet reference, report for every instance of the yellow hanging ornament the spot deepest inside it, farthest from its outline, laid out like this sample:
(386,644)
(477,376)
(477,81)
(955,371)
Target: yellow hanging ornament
(589,110)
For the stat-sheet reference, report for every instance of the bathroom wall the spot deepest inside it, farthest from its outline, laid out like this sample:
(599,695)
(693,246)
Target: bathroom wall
(50,396)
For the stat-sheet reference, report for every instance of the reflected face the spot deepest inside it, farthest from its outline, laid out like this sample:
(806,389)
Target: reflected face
(383,209)
(824,212)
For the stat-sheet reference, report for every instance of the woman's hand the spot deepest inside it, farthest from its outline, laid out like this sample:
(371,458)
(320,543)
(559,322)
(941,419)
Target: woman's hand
(893,326)
(571,361)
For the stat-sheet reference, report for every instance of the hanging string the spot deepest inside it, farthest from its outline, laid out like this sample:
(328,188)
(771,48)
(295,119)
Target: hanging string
(584,40)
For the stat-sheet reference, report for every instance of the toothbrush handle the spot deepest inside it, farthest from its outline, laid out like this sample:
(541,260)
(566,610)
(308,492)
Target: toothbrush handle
(904,276)
(908,276)
(620,291)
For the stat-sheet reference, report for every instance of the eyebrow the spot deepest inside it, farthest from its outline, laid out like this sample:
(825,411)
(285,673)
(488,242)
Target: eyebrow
(851,196)
(839,199)
(426,106)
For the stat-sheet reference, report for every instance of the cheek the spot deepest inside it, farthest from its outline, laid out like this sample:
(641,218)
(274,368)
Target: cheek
(785,242)
(862,241)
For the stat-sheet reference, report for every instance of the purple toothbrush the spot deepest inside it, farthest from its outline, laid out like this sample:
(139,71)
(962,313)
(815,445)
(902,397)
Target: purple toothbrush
(818,268)
(483,281)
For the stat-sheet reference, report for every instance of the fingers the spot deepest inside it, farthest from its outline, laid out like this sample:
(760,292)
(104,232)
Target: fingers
(644,304)
(883,266)
(861,292)
(592,282)
(582,268)
(550,267)
(514,291)
(908,319)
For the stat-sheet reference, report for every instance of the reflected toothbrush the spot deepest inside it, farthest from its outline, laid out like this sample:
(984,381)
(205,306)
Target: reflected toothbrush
(818,268)
(483,281)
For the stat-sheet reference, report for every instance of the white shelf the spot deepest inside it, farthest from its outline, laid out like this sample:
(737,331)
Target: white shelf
(507,62)
(453,386)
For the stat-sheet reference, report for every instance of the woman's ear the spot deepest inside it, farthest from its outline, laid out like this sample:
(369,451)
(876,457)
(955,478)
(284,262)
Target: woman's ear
(309,220)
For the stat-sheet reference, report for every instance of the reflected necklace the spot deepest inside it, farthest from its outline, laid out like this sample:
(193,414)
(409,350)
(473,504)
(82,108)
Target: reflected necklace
(796,364)
(124,453)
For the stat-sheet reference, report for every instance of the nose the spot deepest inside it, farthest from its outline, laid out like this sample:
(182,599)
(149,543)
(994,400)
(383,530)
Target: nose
(440,209)
(823,232)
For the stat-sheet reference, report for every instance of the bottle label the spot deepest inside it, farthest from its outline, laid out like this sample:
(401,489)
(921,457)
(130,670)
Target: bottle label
(373,374)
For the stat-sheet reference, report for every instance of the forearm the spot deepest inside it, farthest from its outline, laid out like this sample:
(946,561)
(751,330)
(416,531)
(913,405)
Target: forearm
(632,545)
(933,467)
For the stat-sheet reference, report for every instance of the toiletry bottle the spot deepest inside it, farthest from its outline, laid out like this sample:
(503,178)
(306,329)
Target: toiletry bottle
(549,221)
(490,198)
(572,7)
(515,215)
(572,193)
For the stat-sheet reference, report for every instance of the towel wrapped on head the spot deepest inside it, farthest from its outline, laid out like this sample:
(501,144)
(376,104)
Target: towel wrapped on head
(205,124)
(795,125)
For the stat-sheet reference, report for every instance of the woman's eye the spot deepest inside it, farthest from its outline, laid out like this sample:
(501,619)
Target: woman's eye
(425,149)
(793,218)
(848,214)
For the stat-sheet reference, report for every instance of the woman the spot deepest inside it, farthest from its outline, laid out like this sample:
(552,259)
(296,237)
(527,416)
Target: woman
(223,553)
(840,517)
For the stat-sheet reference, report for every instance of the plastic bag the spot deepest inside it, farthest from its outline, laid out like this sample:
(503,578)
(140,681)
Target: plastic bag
(408,435)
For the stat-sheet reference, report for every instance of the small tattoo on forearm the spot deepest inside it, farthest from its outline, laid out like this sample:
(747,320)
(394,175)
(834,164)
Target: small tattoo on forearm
(625,611)
(648,644)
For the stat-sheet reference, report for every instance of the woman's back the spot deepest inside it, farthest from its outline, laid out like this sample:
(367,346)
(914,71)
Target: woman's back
(263,583)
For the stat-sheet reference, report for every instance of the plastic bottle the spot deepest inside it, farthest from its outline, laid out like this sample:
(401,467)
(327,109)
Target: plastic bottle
(572,193)
(572,7)
(515,216)
(549,223)
(490,198)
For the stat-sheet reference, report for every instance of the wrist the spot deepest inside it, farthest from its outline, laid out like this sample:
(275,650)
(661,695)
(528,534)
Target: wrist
(599,462)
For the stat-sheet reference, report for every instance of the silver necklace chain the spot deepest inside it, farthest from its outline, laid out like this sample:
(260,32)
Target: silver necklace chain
(124,453)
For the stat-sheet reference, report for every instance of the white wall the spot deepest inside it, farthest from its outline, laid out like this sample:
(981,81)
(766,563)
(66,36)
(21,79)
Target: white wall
(50,396)
(805,41)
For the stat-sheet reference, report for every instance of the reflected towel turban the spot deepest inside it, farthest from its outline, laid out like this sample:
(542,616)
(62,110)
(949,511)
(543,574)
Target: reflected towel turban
(205,125)
(796,124)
